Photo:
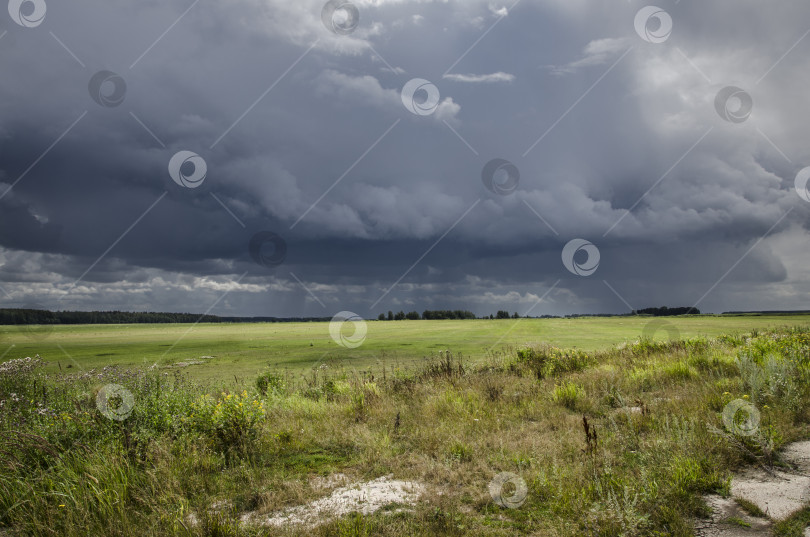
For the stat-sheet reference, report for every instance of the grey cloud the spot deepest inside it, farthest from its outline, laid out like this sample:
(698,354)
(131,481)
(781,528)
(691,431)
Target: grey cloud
(606,149)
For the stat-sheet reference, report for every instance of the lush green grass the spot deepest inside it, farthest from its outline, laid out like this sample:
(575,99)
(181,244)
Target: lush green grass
(242,350)
(654,444)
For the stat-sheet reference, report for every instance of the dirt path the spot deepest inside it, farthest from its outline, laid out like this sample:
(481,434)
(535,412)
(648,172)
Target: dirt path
(778,495)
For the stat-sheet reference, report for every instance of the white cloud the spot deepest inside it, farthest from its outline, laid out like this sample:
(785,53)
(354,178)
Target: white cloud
(499,11)
(597,52)
(510,297)
(367,90)
(112,284)
(481,79)
(363,89)
(218,284)
(447,110)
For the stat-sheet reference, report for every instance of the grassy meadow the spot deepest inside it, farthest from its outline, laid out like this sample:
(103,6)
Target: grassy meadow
(242,350)
(610,432)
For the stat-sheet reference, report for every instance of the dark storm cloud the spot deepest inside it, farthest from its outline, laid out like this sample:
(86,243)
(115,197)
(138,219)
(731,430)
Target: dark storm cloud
(283,153)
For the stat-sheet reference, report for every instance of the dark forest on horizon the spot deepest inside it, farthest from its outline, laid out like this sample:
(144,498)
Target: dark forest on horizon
(19,316)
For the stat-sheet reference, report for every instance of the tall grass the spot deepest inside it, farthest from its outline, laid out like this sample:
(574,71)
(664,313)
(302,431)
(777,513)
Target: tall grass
(657,441)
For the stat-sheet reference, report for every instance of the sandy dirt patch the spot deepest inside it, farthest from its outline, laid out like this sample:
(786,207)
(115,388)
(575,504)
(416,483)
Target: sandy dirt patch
(778,493)
(364,498)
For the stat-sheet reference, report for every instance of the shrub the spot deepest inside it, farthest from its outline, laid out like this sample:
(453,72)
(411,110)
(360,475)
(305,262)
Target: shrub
(690,475)
(446,366)
(231,423)
(568,395)
(337,387)
(613,397)
(646,346)
(642,378)
(732,340)
(17,379)
(363,396)
(546,361)
(678,371)
(461,452)
(771,375)
(492,388)
(269,381)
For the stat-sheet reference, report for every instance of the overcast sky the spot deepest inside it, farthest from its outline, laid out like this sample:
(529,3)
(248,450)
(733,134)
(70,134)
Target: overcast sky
(362,141)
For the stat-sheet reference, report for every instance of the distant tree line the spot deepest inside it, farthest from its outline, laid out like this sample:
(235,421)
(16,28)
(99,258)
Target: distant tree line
(431,315)
(665,311)
(447,314)
(768,312)
(34,316)
(427,315)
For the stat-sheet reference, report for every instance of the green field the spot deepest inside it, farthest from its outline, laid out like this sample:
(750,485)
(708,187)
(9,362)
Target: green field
(242,350)
(621,436)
